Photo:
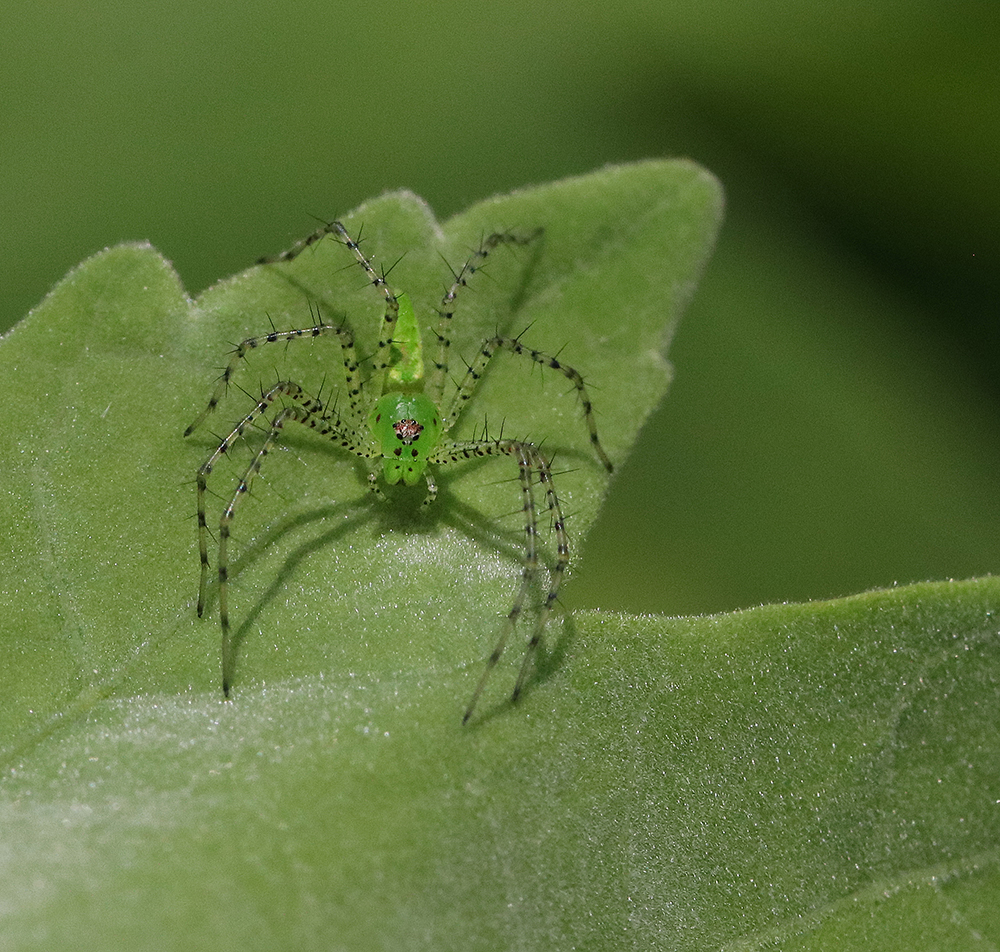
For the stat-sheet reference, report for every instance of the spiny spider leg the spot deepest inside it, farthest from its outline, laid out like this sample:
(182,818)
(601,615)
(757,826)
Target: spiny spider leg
(306,411)
(446,312)
(329,228)
(470,384)
(529,461)
(225,522)
(382,358)
(321,329)
(311,413)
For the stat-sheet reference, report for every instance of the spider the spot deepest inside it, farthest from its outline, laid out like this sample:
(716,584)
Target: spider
(399,422)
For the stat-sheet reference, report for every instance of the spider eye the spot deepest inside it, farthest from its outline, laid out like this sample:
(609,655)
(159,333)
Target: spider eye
(408,431)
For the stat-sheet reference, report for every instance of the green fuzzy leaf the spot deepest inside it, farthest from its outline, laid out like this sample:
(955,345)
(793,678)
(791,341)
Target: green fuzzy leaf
(754,780)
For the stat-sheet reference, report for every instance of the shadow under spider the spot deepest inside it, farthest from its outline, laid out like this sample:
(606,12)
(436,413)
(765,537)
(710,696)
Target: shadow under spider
(405,515)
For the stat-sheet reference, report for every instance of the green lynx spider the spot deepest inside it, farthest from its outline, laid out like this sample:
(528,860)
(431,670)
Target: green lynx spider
(394,419)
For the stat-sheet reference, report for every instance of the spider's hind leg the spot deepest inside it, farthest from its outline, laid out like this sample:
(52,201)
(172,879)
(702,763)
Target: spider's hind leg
(383,352)
(352,373)
(446,311)
(467,389)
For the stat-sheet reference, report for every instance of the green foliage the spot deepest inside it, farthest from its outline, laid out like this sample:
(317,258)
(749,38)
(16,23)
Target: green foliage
(762,779)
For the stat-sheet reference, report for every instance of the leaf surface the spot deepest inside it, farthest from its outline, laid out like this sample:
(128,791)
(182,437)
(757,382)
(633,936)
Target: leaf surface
(761,779)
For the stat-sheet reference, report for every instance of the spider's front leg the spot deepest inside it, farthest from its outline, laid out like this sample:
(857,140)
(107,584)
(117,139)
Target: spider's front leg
(299,415)
(305,410)
(530,461)
(308,406)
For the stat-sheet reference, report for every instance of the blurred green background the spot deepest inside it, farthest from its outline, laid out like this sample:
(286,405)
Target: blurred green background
(834,418)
